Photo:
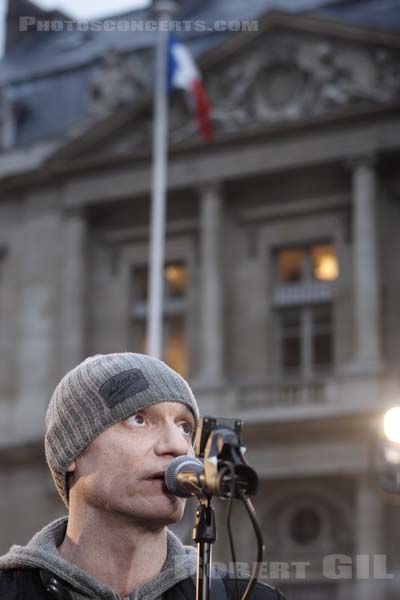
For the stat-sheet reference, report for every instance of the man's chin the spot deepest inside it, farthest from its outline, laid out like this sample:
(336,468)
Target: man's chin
(172,513)
(156,522)
(162,512)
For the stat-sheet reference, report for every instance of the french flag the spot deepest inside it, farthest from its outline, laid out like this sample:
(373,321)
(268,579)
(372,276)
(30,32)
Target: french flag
(184,74)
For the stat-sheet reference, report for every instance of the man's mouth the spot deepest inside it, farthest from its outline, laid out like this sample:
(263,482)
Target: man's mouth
(155,476)
(158,479)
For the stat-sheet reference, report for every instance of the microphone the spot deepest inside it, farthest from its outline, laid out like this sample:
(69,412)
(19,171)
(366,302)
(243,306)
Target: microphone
(182,476)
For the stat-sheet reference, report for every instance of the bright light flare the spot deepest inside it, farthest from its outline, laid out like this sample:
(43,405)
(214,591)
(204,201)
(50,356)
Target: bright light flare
(391,424)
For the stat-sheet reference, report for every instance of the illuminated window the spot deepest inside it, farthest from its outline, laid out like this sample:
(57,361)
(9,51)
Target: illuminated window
(303,300)
(315,262)
(290,265)
(324,262)
(174,312)
(176,280)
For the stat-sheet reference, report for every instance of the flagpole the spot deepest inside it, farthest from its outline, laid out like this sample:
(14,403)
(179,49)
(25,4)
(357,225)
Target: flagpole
(163,10)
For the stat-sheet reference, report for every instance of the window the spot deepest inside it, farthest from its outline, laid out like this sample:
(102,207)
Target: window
(305,340)
(303,303)
(174,312)
(314,263)
(305,526)
(321,336)
(176,280)
(290,322)
(290,265)
(324,262)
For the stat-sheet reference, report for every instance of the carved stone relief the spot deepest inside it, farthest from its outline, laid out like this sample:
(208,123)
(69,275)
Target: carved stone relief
(284,76)
(289,77)
(114,84)
(117,82)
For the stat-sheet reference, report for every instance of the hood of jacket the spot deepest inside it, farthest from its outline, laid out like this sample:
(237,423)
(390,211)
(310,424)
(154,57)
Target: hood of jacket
(42,552)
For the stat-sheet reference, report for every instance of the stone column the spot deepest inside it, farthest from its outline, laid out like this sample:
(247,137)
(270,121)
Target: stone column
(212,335)
(365,264)
(73,289)
(368,541)
(38,339)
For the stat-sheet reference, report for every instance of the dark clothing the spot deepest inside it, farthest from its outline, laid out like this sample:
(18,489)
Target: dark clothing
(27,584)
(26,572)
(186,590)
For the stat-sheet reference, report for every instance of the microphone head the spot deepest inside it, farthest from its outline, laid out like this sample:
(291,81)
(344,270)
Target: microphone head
(181,464)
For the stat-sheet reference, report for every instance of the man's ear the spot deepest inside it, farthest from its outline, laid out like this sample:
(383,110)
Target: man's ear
(71,467)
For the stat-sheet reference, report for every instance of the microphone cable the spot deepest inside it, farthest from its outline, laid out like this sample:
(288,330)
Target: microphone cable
(257,531)
(260,543)
(229,527)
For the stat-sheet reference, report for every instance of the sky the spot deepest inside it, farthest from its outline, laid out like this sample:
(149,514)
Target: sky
(81,9)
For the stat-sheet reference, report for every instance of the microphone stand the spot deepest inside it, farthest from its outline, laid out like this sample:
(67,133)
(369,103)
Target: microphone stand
(219,446)
(204,534)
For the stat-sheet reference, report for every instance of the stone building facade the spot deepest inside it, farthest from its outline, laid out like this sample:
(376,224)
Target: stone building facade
(281,277)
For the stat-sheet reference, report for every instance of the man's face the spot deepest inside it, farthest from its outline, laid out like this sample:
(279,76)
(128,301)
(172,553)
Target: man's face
(122,471)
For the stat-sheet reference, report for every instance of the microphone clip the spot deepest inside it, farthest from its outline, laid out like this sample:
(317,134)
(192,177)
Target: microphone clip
(222,451)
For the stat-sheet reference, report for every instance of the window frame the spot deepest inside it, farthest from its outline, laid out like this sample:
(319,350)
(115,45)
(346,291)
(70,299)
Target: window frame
(305,296)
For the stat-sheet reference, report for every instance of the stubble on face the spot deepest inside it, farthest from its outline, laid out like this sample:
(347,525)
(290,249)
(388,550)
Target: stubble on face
(114,474)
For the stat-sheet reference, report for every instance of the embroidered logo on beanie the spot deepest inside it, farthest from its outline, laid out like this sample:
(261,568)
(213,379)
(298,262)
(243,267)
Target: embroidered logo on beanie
(122,386)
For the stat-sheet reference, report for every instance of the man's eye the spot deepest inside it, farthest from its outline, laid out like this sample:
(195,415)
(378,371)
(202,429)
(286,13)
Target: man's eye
(187,428)
(136,420)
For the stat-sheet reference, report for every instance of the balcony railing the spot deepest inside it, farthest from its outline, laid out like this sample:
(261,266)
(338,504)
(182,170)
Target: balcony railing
(345,392)
(291,294)
(282,395)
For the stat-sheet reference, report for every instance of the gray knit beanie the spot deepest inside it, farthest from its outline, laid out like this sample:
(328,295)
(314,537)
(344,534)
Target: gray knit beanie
(99,392)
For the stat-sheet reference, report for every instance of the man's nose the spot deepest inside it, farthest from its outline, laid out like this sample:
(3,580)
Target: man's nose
(172,441)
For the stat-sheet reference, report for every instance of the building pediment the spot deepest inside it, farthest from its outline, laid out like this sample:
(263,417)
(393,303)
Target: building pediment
(289,75)
(294,68)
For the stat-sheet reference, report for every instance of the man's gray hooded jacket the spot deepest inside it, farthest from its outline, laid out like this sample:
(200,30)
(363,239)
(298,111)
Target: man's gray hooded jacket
(20,568)
(42,553)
